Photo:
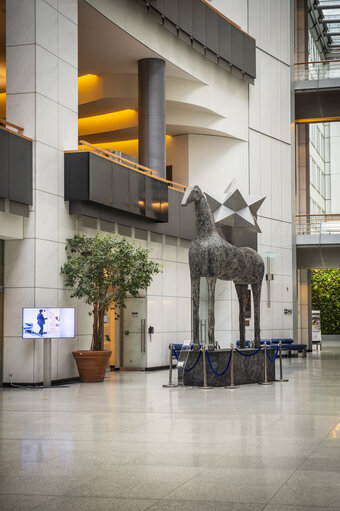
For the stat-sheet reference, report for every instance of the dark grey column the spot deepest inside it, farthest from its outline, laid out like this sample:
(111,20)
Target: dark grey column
(151,114)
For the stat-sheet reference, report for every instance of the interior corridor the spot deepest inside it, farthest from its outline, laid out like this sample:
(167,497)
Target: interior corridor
(129,444)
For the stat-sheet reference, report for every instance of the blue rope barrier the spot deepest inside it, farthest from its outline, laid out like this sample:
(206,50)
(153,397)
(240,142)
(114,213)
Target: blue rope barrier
(275,355)
(213,370)
(174,352)
(248,354)
(191,368)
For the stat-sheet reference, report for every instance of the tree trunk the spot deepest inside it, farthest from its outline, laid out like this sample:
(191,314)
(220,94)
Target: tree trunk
(94,345)
(101,326)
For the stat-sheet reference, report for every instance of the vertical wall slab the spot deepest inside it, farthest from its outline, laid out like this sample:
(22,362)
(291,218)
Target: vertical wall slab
(42,70)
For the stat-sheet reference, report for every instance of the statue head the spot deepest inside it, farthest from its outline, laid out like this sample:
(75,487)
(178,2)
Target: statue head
(192,194)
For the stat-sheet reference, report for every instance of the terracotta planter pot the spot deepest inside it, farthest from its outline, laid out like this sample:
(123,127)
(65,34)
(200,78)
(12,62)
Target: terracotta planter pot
(91,364)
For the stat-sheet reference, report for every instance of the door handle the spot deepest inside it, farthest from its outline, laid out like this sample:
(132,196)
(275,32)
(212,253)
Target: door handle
(142,335)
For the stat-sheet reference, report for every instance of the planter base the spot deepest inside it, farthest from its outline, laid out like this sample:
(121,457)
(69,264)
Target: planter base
(91,364)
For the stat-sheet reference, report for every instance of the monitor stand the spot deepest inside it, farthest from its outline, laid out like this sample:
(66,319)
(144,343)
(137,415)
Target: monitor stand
(47,363)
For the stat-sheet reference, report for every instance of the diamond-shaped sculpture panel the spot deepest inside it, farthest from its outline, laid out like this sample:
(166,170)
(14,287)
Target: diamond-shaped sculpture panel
(234,209)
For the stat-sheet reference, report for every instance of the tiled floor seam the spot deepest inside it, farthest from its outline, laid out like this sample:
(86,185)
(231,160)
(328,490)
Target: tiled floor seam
(182,484)
(273,496)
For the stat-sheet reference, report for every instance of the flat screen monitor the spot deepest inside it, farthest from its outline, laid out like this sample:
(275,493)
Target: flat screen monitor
(48,323)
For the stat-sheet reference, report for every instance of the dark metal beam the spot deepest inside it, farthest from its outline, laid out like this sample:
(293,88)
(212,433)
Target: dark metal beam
(326,6)
(331,20)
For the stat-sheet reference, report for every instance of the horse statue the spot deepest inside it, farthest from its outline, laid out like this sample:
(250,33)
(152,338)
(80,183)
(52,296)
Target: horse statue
(214,258)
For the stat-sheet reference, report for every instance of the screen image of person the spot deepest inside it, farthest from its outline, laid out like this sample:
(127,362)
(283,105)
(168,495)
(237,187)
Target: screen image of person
(41,321)
(53,323)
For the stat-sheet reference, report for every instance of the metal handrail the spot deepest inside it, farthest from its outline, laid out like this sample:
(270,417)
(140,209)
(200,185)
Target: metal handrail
(316,62)
(318,224)
(5,123)
(124,162)
(317,70)
(114,156)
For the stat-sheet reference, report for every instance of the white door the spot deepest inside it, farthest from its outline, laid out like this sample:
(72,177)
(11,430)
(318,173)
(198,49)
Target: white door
(134,334)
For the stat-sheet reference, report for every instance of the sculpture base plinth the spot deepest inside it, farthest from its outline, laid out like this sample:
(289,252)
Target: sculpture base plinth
(246,369)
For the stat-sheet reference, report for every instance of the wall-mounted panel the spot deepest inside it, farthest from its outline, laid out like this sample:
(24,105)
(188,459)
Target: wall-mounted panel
(137,193)
(15,167)
(213,32)
(76,182)
(121,187)
(171,11)
(173,226)
(92,178)
(100,181)
(153,199)
(198,21)
(237,57)
(184,16)
(249,56)
(212,26)
(157,4)
(224,39)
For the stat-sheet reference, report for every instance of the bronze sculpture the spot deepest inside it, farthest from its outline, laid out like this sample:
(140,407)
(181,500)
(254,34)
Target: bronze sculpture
(214,258)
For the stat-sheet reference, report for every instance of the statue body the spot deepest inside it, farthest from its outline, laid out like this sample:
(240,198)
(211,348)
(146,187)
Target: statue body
(214,258)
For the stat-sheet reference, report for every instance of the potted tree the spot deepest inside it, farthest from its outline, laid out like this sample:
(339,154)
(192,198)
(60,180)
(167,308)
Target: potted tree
(103,270)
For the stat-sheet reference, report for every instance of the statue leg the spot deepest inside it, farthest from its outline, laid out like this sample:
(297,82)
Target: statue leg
(195,293)
(256,289)
(211,311)
(241,290)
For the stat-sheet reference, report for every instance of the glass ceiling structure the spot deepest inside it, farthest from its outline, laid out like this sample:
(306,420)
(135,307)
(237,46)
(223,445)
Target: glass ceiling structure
(327,17)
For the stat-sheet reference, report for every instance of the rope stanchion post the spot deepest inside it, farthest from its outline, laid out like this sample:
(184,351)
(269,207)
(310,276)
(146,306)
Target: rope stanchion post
(232,386)
(281,380)
(205,383)
(170,384)
(265,382)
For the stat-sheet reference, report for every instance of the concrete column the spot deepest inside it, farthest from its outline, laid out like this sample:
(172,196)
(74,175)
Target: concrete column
(151,114)
(42,71)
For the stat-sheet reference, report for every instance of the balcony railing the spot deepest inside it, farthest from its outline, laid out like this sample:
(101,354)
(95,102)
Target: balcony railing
(130,164)
(318,224)
(320,70)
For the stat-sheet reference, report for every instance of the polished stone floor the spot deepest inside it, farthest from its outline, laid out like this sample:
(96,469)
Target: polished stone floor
(128,444)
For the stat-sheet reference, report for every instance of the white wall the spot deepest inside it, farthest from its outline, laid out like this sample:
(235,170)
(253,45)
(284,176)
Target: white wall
(335,166)
(215,161)
(42,96)
(270,158)
(168,300)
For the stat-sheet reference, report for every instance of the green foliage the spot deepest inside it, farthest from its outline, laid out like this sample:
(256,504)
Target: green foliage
(326,298)
(105,270)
